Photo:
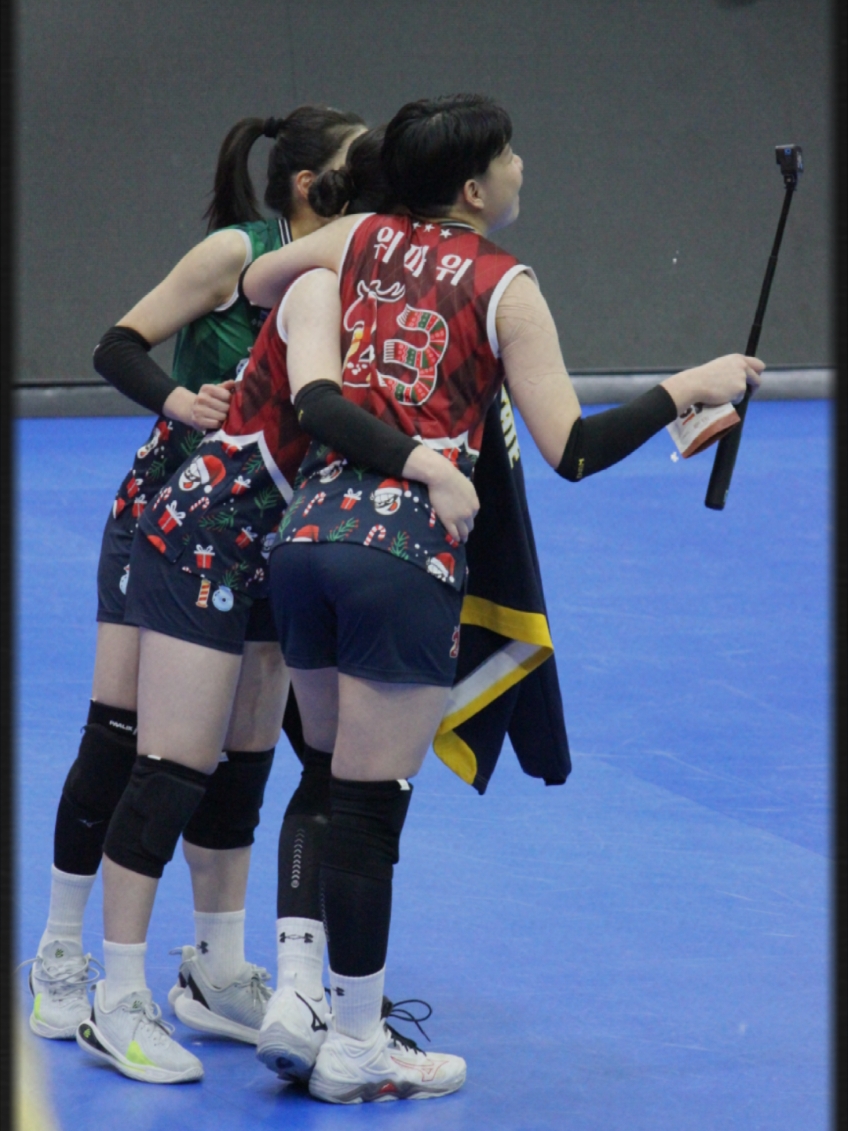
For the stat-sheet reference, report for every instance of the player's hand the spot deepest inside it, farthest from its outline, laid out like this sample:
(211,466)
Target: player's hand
(718,381)
(210,407)
(452,495)
(453,498)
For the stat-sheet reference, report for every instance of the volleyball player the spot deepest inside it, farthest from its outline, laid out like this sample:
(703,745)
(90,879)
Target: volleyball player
(198,572)
(434,318)
(215,330)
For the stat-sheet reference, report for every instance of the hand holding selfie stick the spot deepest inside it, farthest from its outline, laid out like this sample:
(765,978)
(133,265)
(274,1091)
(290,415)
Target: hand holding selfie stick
(791,162)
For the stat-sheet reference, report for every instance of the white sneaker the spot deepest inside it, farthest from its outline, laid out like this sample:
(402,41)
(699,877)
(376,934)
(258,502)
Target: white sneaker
(59,981)
(133,1038)
(293,1031)
(235,1010)
(186,953)
(387,1066)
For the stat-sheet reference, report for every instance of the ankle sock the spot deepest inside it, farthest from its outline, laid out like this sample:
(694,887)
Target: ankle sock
(357,1003)
(300,954)
(68,898)
(219,942)
(124,965)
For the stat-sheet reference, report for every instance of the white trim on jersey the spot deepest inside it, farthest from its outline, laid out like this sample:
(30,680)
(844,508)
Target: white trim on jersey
(497,295)
(282,484)
(248,259)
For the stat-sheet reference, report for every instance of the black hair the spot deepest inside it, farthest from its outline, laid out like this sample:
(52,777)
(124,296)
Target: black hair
(361,182)
(308,138)
(433,146)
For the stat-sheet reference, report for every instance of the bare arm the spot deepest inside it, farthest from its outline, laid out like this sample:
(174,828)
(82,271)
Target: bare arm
(535,371)
(202,280)
(267,278)
(543,393)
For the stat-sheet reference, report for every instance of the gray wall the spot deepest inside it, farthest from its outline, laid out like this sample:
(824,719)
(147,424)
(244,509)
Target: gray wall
(647,130)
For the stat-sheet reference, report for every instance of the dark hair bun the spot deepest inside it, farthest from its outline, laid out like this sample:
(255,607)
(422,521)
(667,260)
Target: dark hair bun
(331,191)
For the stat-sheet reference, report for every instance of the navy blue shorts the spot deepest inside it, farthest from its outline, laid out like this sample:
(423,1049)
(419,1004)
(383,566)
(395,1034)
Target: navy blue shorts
(365,612)
(113,568)
(166,598)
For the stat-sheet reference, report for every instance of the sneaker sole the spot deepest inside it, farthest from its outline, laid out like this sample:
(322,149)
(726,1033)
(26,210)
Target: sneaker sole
(42,1029)
(280,1052)
(174,992)
(92,1041)
(197,1016)
(373,1092)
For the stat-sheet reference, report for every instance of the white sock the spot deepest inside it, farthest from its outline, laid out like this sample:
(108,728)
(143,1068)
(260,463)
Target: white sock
(68,897)
(300,954)
(124,965)
(219,941)
(357,1003)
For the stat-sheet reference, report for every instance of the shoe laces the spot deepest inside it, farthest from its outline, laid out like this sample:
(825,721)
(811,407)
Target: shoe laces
(66,975)
(256,978)
(396,1009)
(258,981)
(160,1029)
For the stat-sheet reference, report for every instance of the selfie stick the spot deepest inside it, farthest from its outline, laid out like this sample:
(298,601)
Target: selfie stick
(791,162)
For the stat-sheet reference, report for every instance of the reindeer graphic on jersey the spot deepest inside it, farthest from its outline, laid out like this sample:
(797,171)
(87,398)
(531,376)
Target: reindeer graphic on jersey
(421,357)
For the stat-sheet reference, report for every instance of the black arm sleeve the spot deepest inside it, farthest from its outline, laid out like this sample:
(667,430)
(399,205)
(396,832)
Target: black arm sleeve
(324,413)
(599,441)
(121,356)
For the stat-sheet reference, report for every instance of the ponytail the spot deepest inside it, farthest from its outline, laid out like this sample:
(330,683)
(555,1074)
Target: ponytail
(308,138)
(233,199)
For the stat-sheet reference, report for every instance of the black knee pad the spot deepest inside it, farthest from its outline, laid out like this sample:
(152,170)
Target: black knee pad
(312,796)
(152,813)
(365,826)
(103,765)
(229,812)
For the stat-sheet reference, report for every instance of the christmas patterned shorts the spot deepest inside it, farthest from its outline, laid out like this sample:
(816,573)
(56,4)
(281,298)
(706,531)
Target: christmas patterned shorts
(365,612)
(113,568)
(164,597)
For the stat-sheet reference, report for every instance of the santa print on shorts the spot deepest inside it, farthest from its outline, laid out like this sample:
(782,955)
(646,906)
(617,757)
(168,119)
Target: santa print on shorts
(407,527)
(217,516)
(387,496)
(203,471)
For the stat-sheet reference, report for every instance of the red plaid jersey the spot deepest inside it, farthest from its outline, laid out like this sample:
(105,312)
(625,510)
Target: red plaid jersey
(419,302)
(420,352)
(261,408)
(218,513)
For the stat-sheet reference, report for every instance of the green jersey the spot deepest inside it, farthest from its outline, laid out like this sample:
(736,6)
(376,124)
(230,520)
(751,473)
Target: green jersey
(215,347)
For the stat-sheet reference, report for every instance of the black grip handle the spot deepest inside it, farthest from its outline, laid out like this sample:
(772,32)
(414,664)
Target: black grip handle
(728,446)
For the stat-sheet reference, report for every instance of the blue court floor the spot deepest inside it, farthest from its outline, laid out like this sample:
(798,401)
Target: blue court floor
(642,949)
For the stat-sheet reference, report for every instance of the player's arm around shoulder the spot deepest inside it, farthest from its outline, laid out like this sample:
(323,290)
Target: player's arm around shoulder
(203,279)
(535,371)
(268,277)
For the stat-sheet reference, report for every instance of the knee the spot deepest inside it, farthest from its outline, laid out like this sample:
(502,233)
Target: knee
(104,762)
(365,826)
(155,807)
(228,815)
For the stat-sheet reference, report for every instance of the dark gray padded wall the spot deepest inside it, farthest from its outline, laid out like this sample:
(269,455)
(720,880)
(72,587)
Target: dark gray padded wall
(647,130)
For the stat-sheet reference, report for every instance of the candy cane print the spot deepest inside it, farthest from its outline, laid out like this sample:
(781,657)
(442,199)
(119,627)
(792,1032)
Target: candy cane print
(319,499)
(378,532)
